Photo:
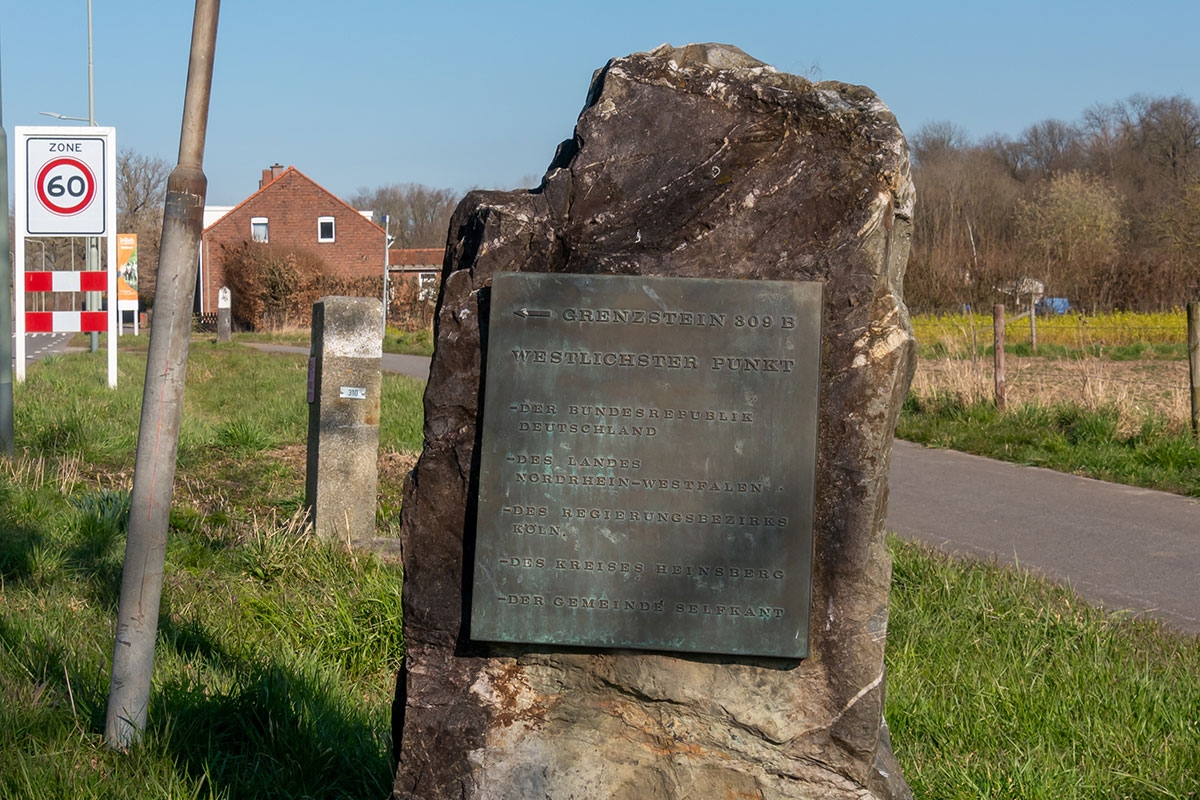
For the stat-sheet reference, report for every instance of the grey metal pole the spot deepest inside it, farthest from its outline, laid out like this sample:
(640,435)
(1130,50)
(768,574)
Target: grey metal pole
(92,259)
(6,309)
(387,256)
(162,401)
(91,262)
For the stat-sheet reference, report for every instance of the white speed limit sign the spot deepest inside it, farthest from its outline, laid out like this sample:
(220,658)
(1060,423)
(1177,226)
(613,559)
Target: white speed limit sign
(67,177)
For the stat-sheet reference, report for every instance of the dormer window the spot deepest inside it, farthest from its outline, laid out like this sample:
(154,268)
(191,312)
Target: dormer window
(258,230)
(325,229)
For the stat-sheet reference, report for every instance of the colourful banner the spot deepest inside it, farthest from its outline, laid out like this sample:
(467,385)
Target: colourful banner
(127,275)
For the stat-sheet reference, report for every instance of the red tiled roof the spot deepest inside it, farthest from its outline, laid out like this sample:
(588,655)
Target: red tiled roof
(266,187)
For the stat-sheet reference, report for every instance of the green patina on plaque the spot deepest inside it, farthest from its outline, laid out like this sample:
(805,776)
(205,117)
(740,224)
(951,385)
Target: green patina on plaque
(648,462)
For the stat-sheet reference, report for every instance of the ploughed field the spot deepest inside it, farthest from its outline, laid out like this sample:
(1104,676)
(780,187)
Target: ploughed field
(1136,388)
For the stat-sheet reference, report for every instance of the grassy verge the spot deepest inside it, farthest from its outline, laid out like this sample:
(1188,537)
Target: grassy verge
(1064,437)
(277,655)
(416,343)
(1001,685)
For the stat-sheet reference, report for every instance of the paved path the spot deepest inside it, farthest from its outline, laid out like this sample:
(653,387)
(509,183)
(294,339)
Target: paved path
(1125,548)
(1122,547)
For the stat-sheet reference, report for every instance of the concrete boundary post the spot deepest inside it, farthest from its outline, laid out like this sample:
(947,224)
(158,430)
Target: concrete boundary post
(344,385)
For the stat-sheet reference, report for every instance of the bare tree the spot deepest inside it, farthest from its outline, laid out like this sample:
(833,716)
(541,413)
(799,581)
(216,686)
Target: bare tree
(966,195)
(420,215)
(936,141)
(141,189)
(1047,148)
(1169,135)
(1179,224)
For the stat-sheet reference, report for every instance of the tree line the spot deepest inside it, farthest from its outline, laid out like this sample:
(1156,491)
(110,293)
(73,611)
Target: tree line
(1105,210)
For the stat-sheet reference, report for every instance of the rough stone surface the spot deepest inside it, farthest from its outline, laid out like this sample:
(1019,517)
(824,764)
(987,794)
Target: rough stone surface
(341,483)
(695,161)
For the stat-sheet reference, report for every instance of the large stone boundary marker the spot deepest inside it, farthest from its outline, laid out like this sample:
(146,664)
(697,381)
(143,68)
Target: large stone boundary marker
(697,162)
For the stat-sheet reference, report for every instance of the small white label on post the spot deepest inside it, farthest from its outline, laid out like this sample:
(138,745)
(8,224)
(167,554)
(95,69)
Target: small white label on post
(354,393)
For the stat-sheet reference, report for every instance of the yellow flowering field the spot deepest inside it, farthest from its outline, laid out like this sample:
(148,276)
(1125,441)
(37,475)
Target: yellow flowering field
(952,334)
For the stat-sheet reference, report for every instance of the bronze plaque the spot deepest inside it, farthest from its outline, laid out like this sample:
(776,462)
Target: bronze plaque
(647,466)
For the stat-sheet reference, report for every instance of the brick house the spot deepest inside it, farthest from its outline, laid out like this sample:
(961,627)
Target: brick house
(421,266)
(415,275)
(292,210)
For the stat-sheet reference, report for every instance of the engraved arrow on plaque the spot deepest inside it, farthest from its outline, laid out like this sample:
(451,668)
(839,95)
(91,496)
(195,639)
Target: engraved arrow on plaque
(526,313)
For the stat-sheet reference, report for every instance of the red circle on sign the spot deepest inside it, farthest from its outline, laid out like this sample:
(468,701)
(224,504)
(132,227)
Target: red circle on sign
(89,189)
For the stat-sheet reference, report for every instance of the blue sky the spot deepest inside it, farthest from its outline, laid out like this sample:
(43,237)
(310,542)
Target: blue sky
(358,94)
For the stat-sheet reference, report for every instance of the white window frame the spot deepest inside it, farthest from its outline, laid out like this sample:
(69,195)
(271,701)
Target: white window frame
(332,226)
(266,228)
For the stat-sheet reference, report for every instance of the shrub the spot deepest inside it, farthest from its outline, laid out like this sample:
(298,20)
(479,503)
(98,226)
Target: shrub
(275,287)
(411,306)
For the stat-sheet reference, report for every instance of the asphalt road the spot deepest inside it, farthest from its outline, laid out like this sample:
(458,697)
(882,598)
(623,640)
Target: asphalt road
(40,345)
(1122,547)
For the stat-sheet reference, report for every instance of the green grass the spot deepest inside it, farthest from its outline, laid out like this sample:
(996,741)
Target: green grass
(1001,685)
(277,654)
(1066,438)
(417,343)
(274,668)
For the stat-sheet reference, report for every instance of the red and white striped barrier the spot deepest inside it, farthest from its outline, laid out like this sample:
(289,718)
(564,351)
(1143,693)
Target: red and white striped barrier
(66,321)
(61,281)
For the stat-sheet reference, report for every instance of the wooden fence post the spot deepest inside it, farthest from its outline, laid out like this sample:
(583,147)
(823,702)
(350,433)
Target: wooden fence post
(1032,324)
(998,352)
(1193,317)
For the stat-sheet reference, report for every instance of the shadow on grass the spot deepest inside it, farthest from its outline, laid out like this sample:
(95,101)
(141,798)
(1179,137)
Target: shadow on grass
(270,726)
(273,730)
(277,732)
(17,545)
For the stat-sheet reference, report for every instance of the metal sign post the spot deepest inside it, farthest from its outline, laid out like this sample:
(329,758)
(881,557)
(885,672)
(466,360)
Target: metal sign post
(67,188)
(6,389)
